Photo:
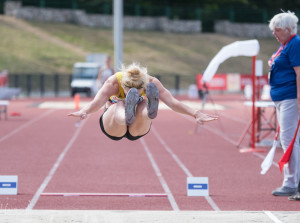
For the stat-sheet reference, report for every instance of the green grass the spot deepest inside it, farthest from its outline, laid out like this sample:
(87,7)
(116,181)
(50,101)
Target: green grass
(162,53)
(23,52)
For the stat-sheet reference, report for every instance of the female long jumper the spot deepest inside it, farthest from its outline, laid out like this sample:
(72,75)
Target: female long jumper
(131,100)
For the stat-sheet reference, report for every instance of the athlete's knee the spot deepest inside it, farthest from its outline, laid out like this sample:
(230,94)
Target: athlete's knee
(141,110)
(119,119)
(118,114)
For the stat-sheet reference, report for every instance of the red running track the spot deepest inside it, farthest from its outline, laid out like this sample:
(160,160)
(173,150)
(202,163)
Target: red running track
(51,155)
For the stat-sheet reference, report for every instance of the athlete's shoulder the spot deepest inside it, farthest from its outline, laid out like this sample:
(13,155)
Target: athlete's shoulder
(118,75)
(154,80)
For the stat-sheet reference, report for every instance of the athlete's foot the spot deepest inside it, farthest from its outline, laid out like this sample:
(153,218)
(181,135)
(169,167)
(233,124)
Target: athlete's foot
(131,101)
(153,100)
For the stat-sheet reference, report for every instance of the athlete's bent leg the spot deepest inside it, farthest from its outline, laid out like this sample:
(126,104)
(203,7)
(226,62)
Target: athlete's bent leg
(114,120)
(142,122)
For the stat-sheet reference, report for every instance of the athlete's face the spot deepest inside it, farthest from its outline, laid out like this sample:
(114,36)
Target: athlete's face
(127,88)
(282,35)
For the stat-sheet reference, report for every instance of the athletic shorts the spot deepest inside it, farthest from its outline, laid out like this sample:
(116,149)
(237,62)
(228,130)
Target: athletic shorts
(127,134)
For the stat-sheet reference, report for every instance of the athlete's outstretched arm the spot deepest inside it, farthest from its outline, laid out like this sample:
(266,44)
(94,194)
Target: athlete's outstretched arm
(166,97)
(109,88)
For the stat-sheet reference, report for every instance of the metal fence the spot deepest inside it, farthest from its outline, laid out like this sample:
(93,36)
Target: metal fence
(207,15)
(239,13)
(41,85)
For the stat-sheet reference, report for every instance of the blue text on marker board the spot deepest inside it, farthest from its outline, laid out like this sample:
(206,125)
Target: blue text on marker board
(197,186)
(8,185)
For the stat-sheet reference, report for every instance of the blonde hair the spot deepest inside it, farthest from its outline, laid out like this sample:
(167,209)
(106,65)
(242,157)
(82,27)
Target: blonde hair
(284,20)
(134,75)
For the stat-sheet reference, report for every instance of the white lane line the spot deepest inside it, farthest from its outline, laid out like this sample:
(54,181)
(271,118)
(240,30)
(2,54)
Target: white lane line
(54,168)
(25,125)
(160,177)
(213,130)
(105,194)
(273,217)
(182,166)
(173,155)
(234,118)
(221,134)
(256,154)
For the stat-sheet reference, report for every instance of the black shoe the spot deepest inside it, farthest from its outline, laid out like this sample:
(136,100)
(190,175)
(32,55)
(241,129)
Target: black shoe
(153,100)
(284,191)
(131,101)
(295,197)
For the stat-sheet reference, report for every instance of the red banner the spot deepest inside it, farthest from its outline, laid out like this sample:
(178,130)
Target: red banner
(246,79)
(219,82)
(222,82)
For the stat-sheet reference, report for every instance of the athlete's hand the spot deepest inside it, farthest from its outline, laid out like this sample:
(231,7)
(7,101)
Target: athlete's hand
(79,114)
(201,118)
